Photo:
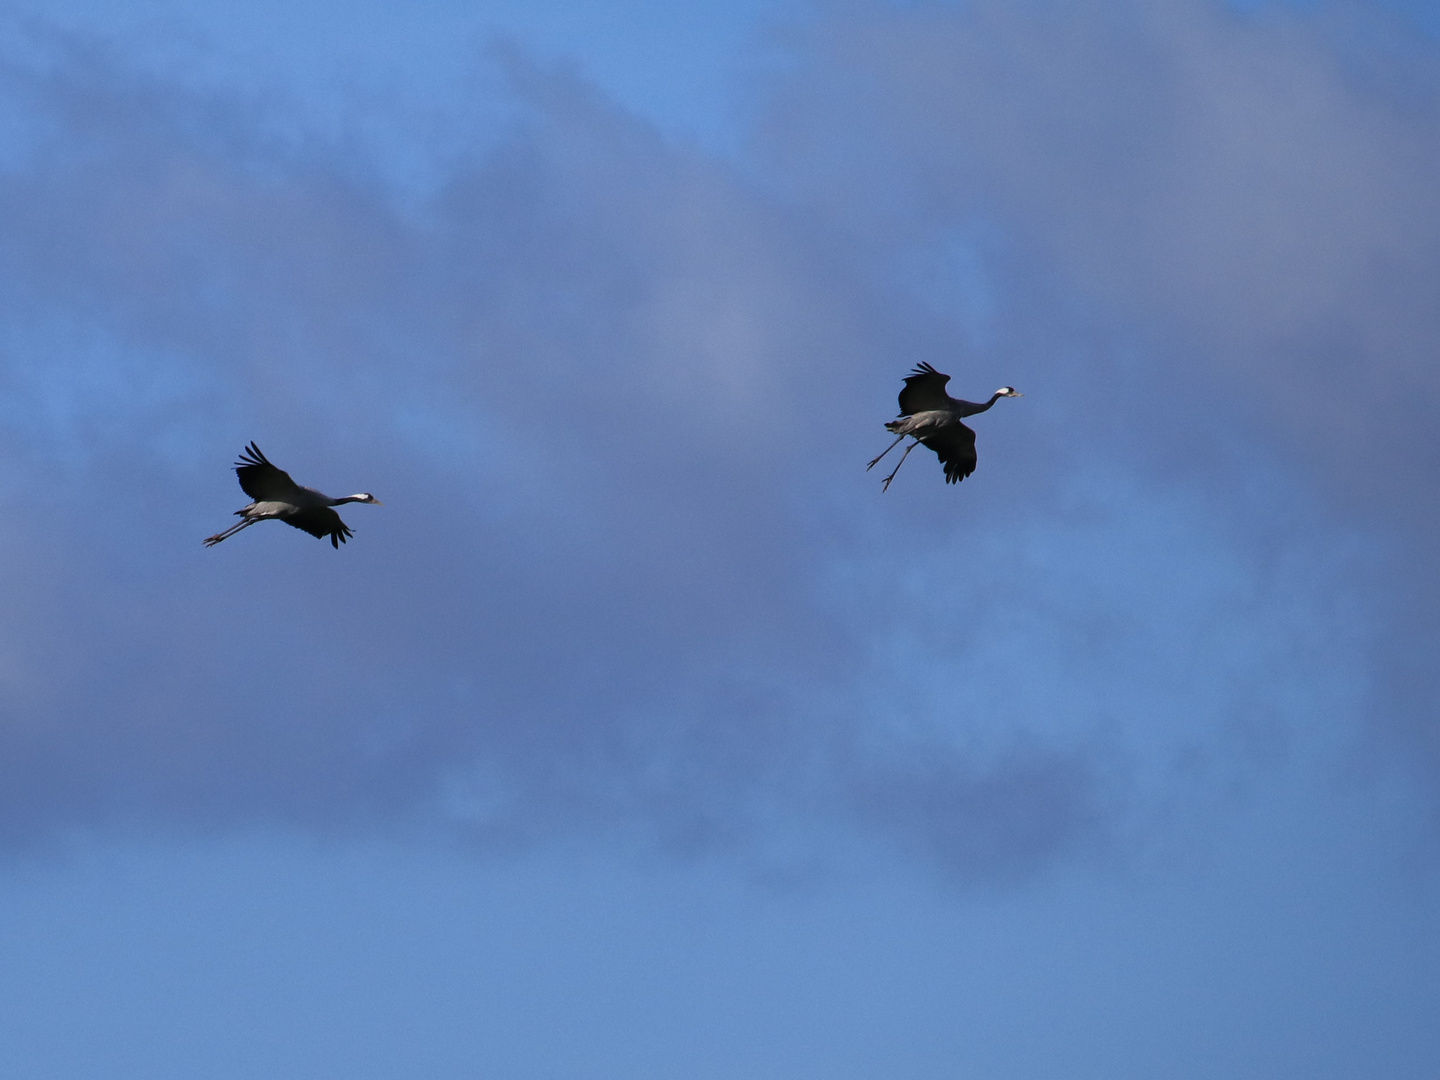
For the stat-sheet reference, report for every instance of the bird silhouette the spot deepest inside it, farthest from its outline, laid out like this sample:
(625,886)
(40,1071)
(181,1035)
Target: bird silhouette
(278,498)
(931,416)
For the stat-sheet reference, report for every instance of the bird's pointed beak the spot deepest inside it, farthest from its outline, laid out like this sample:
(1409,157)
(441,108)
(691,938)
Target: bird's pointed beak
(377,502)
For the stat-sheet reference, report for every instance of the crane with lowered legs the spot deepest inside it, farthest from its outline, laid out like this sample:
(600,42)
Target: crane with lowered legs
(931,416)
(279,498)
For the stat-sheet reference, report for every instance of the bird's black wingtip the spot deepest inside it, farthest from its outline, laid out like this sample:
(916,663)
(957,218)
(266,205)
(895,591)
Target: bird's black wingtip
(252,455)
(924,368)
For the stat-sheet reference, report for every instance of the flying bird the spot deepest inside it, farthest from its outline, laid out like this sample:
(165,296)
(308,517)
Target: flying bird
(931,416)
(279,498)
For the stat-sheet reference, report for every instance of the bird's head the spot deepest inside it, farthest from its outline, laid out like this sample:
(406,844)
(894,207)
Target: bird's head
(366,497)
(1009,391)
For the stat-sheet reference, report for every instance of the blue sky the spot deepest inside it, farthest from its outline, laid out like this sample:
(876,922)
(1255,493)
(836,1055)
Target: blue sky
(638,734)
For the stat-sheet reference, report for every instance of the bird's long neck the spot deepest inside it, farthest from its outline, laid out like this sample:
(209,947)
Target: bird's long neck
(970,408)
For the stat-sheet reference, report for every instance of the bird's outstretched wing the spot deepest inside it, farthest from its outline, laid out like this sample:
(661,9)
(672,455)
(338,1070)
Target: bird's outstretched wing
(924,391)
(954,445)
(261,480)
(320,521)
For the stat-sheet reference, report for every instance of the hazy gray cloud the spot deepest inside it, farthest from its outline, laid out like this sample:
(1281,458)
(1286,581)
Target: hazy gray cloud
(617,397)
(587,599)
(1218,230)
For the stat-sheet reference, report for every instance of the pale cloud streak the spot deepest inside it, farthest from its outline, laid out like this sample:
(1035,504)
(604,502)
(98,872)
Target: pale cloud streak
(617,395)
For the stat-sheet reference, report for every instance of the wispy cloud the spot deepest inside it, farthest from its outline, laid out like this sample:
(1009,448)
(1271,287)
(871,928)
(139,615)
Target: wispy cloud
(617,396)
(1216,228)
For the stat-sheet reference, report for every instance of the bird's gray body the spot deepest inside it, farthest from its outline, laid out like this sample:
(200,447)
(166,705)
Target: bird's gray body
(923,423)
(931,416)
(279,498)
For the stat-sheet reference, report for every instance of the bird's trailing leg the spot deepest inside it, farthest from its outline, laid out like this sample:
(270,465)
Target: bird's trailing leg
(211,541)
(875,461)
(886,486)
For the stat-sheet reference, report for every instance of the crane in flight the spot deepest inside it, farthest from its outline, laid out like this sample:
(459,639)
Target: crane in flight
(279,498)
(931,416)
